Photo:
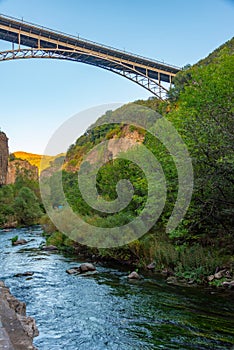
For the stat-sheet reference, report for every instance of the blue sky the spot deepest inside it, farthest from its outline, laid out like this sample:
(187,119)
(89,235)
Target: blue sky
(38,95)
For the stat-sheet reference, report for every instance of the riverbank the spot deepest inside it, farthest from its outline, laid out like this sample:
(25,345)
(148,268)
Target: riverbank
(107,310)
(16,329)
(193,266)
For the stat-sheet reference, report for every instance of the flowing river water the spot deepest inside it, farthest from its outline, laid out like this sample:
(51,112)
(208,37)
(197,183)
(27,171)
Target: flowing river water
(106,311)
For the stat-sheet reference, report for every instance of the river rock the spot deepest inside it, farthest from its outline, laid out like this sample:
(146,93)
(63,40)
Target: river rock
(134,275)
(49,247)
(20,242)
(219,275)
(73,271)
(151,266)
(24,274)
(87,267)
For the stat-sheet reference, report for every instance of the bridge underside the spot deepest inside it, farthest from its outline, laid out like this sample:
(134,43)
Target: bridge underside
(37,42)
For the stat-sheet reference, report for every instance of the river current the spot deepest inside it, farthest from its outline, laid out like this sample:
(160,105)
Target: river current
(106,311)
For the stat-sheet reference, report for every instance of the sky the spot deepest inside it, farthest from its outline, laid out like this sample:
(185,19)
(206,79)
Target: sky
(38,95)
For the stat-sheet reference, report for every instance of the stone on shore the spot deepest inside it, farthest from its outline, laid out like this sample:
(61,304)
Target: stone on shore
(219,275)
(228,284)
(151,266)
(210,278)
(134,276)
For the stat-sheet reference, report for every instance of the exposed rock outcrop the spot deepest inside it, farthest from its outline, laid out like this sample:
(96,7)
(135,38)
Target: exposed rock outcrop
(4,153)
(116,145)
(113,146)
(21,167)
(17,329)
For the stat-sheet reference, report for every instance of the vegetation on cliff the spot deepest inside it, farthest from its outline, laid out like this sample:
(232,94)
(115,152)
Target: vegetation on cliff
(200,106)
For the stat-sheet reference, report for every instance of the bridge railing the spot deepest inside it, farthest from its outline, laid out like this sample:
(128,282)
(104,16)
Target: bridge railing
(78,38)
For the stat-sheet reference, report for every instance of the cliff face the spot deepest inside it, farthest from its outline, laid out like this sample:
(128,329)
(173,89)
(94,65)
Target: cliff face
(21,167)
(116,146)
(117,141)
(16,329)
(4,153)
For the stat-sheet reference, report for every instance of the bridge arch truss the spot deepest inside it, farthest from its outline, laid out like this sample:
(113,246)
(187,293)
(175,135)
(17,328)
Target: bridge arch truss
(38,42)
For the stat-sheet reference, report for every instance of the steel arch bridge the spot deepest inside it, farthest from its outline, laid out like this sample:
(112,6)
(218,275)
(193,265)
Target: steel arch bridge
(33,41)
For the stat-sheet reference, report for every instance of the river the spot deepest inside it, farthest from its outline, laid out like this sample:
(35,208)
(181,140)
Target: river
(106,311)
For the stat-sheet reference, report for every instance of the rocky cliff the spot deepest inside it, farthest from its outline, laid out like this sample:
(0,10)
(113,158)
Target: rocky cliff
(118,139)
(35,159)
(4,153)
(16,329)
(21,167)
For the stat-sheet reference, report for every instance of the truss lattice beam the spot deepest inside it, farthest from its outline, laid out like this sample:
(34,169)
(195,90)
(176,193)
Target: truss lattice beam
(46,43)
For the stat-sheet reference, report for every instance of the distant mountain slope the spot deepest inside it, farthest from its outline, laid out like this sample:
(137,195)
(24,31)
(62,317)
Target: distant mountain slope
(35,159)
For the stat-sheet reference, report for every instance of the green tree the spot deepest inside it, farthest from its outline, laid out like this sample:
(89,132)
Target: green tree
(204,117)
(6,200)
(26,206)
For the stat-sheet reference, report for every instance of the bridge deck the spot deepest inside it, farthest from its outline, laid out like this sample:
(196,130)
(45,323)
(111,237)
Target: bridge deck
(36,37)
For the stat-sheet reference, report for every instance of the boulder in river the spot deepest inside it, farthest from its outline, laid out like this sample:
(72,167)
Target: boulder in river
(24,274)
(20,242)
(85,267)
(134,276)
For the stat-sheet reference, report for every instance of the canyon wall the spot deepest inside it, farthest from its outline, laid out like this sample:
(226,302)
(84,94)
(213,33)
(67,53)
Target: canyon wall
(19,167)
(4,154)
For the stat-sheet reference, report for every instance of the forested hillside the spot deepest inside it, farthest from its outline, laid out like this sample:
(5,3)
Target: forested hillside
(200,106)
